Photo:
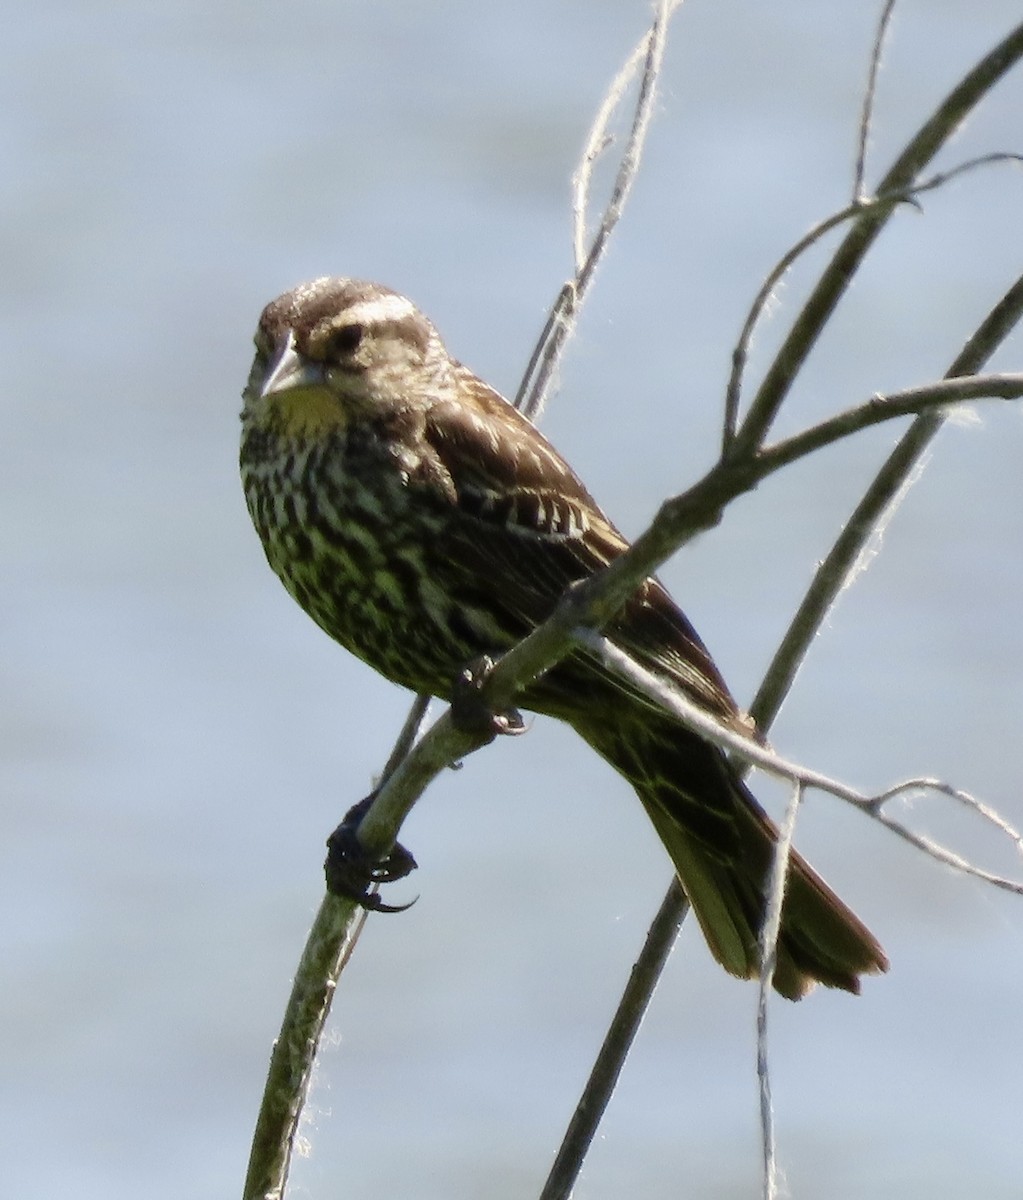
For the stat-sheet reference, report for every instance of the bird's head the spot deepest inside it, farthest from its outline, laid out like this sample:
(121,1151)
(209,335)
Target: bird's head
(336,351)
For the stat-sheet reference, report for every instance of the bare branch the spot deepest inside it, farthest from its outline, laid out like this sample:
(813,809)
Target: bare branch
(328,947)
(379,827)
(879,408)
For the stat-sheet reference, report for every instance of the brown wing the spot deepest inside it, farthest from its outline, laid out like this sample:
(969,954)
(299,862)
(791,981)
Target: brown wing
(528,525)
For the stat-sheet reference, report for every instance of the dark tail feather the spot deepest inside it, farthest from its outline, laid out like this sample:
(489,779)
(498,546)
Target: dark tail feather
(722,842)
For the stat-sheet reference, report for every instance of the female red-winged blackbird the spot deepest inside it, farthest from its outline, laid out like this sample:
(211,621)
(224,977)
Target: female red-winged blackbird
(422,522)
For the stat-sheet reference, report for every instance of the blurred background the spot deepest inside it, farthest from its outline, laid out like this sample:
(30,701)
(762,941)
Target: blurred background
(177,738)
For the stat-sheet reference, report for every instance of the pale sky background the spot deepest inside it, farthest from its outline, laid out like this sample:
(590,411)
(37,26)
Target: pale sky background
(177,738)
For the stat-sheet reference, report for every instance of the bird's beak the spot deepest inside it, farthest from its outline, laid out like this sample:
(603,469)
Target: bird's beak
(290,370)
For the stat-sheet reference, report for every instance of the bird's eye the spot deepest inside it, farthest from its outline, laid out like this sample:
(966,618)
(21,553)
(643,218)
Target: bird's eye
(344,341)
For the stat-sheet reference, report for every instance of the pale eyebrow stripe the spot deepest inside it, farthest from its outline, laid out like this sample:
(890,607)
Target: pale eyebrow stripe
(379,309)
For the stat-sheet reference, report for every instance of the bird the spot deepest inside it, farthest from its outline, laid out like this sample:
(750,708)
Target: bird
(424,523)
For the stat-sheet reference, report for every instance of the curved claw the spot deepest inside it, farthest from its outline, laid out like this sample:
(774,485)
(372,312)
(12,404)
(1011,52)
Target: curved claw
(372,903)
(351,873)
(471,713)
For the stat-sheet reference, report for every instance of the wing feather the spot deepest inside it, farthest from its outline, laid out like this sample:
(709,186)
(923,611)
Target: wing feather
(529,527)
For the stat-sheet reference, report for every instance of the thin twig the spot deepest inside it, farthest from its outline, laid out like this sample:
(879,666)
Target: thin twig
(875,508)
(740,355)
(775,891)
(970,803)
(869,96)
(408,736)
(859,207)
(758,755)
(628,167)
(921,148)
(598,140)
(543,361)
(949,857)
(907,402)
(940,178)
(607,1066)
(553,336)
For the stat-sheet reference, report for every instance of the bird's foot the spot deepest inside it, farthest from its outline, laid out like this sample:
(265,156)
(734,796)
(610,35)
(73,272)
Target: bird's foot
(470,711)
(351,872)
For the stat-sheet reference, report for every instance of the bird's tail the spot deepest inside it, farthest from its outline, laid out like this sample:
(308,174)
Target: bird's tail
(721,842)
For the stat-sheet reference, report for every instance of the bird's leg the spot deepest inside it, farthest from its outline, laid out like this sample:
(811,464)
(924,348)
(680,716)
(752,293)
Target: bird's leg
(470,711)
(351,872)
